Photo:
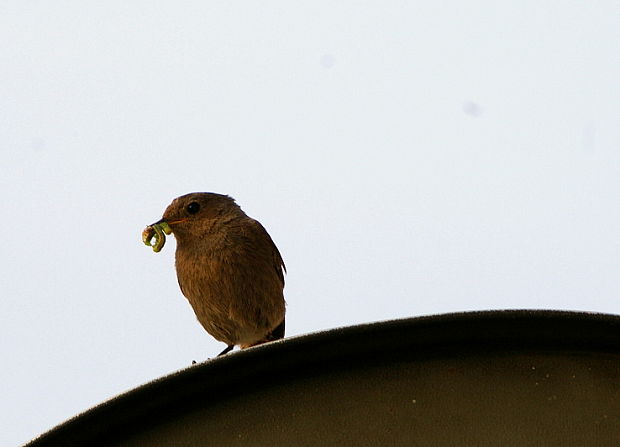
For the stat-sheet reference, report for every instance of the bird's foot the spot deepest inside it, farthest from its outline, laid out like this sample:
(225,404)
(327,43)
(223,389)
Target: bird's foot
(227,350)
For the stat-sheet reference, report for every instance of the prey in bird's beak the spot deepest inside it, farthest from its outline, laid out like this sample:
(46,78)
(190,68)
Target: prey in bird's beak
(157,230)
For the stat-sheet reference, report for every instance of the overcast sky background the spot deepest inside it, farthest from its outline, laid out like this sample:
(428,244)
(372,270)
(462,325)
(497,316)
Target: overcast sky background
(408,158)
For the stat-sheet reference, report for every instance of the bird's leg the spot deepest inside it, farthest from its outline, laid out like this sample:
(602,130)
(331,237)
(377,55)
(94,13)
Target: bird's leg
(227,350)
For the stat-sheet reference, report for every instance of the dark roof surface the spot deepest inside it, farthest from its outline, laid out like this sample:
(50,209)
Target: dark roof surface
(481,378)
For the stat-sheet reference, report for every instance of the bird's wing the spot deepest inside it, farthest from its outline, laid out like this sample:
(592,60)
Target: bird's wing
(278,262)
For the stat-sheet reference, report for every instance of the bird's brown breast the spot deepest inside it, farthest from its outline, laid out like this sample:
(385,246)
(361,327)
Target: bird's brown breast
(233,279)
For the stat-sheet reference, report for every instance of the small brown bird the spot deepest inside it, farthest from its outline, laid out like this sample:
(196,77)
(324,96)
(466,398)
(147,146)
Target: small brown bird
(228,268)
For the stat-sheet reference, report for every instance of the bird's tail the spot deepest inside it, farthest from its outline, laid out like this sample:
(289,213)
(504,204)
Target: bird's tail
(275,334)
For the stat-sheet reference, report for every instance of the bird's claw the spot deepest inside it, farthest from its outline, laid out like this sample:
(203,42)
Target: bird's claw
(158,232)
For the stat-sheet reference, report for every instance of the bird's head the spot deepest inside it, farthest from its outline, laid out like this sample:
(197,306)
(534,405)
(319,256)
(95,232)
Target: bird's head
(191,216)
(198,210)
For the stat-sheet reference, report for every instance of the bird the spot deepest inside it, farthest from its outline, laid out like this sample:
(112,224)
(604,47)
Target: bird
(228,268)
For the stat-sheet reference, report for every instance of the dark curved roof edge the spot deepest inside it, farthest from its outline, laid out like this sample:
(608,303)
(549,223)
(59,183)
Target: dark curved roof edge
(348,347)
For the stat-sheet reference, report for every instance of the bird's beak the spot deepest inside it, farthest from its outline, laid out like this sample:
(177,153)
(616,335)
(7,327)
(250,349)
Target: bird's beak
(169,222)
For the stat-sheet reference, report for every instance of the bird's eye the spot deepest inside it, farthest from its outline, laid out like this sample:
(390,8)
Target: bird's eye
(193,208)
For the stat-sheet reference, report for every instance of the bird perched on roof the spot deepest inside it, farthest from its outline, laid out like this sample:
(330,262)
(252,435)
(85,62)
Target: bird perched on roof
(228,268)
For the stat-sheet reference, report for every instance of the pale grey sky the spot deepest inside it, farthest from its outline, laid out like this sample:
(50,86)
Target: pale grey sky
(408,158)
